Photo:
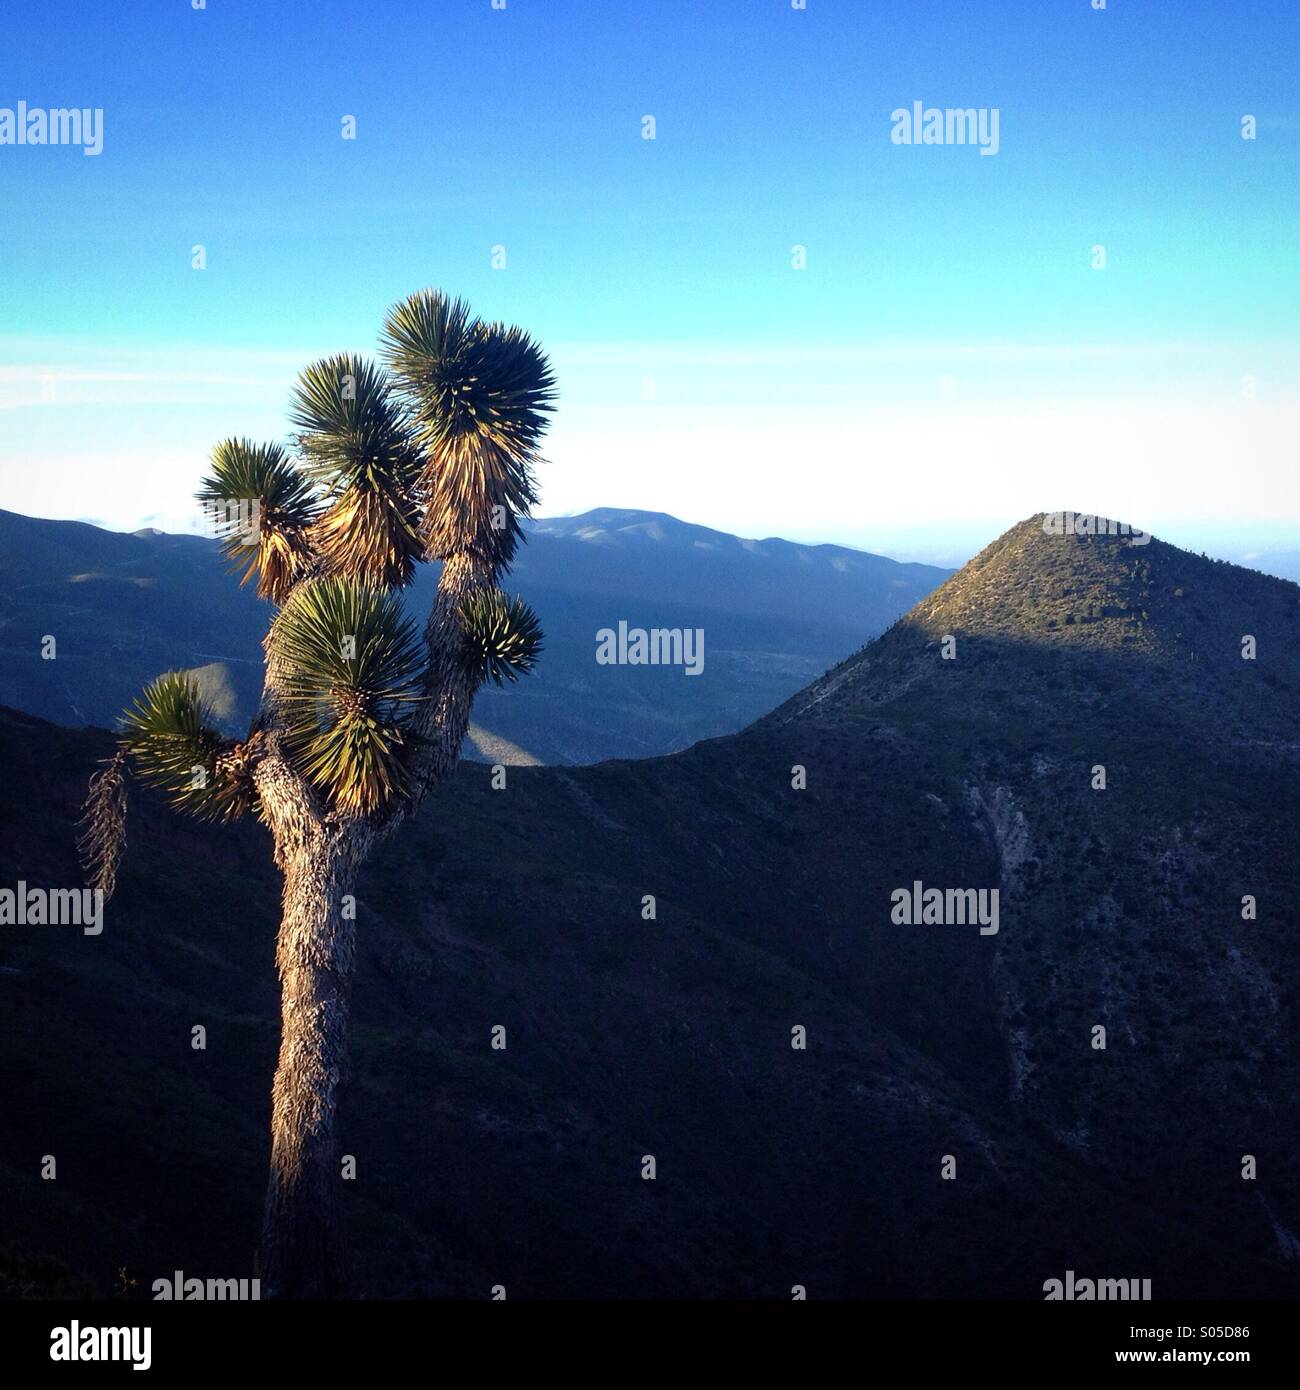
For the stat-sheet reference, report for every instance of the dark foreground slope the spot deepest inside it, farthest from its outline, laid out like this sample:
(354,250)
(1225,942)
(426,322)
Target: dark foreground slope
(627,1037)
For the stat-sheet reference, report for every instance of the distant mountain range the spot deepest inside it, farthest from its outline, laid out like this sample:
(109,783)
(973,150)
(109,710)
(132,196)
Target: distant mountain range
(124,608)
(1285,564)
(1108,1084)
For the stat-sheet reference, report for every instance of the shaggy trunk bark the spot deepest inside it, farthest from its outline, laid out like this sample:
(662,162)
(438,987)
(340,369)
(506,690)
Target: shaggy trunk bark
(301,1249)
(446,721)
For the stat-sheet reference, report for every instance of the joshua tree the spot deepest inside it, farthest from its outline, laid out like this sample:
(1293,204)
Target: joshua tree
(429,457)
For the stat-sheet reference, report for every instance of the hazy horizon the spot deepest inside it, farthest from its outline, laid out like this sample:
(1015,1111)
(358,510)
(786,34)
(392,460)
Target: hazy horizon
(919,544)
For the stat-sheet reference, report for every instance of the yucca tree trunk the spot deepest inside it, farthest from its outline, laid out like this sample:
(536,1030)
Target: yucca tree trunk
(301,1248)
(301,1252)
(446,722)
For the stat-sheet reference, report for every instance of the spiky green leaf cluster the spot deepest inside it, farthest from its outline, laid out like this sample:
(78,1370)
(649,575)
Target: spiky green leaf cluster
(480,393)
(277,547)
(352,428)
(170,737)
(349,666)
(356,440)
(502,637)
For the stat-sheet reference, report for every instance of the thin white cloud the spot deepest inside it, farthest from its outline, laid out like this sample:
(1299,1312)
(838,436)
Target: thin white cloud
(686,354)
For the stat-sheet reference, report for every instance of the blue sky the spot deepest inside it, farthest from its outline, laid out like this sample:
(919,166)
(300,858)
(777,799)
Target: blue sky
(947,362)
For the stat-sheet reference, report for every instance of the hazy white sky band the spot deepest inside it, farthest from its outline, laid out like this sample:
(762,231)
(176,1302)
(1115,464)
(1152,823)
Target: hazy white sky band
(904,448)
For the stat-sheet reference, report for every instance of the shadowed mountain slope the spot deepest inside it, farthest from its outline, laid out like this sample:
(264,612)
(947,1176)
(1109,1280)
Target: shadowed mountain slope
(1139,778)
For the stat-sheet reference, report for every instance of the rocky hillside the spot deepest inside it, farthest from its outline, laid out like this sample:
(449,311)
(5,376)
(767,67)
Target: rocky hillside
(1138,776)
